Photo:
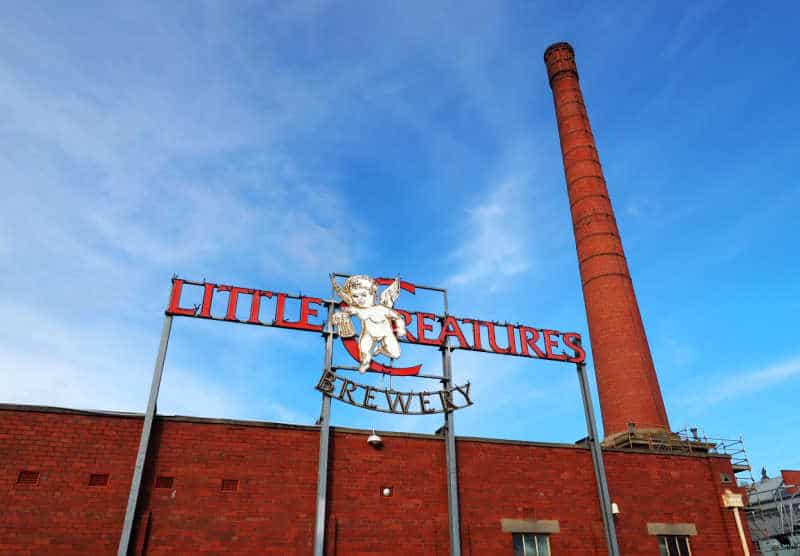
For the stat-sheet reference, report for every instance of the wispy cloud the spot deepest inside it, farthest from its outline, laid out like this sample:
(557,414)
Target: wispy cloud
(119,191)
(494,239)
(693,20)
(47,361)
(748,383)
(110,170)
(119,170)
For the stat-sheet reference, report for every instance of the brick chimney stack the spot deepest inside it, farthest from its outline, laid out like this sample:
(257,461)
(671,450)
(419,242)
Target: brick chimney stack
(626,378)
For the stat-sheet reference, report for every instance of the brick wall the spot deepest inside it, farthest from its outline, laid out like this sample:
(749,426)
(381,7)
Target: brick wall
(270,507)
(672,489)
(62,514)
(267,507)
(522,481)
(413,520)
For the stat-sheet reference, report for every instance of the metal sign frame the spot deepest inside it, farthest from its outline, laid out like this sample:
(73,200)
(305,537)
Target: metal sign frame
(445,378)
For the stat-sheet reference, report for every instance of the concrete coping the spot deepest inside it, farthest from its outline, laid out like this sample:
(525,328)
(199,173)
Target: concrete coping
(686,529)
(530,526)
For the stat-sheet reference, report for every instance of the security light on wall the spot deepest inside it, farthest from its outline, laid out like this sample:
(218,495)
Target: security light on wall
(374,440)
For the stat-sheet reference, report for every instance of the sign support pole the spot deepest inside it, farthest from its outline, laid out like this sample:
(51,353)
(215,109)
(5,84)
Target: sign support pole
(450,454)
(144,440)
(597,462)
(324,443)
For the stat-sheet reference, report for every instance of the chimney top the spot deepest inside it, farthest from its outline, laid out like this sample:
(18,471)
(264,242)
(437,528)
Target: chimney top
(560,61)
(558,46)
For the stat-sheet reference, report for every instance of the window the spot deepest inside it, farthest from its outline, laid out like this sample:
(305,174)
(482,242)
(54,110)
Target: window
(230,485)
(28,478)
(98,479)
(674,545)
(531,544)
(162,481)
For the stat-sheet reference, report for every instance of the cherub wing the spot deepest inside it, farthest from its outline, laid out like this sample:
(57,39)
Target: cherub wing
(340,292)
(390,294)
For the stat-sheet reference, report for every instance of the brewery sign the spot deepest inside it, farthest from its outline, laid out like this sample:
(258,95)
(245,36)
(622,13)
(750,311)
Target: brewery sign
(371,330)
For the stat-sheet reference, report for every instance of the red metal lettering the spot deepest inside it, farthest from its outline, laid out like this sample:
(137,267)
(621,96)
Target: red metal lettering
(550,342)
(407,317)
(450,328)
(422,326)
(175,301)
(511,349)
(255,305)
(305,313)
(511,336)
(476,332)
(208,297)
(526,342)
(233,299)
(573,341)
(280,306)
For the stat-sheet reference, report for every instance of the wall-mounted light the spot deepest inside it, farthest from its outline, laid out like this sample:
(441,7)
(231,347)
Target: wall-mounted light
(374,440)
(614,508)
(386,491)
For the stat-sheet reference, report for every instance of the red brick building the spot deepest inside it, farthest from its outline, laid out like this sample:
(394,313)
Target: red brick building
(235,487)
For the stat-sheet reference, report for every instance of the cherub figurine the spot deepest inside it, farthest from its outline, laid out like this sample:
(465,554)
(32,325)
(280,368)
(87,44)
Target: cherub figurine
(377,336)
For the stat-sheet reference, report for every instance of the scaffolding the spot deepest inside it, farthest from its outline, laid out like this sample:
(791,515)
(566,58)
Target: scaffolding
(687,441)
(773,513)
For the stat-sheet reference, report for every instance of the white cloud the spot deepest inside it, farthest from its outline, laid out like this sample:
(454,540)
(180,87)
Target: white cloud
(495,238)
(47,361)
(115,175)
(748,383)
(110,170)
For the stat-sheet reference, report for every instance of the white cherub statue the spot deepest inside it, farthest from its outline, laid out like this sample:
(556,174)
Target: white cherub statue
(377,335)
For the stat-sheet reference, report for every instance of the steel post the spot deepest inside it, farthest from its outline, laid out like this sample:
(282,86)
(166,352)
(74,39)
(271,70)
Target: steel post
(597,462)
(144,440)
(452,467)
(450,454)
(324,442)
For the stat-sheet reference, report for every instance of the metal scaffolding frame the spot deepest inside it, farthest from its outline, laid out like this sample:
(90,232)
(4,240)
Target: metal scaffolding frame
(774,515)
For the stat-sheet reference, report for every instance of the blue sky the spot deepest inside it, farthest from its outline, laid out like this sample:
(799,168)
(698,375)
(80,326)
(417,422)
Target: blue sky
(266,145)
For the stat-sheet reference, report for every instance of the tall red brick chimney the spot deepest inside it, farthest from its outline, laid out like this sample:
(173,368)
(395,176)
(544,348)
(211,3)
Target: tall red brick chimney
(626,378)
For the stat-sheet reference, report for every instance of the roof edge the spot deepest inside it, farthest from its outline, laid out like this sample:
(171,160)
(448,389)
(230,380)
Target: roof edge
(314,428)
